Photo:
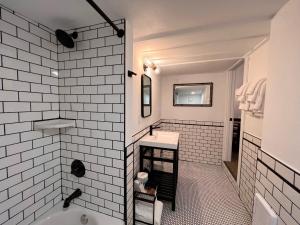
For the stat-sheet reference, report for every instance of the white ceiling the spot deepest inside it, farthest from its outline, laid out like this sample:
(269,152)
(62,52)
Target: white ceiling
(149,18)
(169,31)
(197,68)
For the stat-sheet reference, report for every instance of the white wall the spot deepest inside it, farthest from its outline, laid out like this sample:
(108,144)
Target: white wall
(237,79)
(256,66)
(134,120)
(128,81)
(215,113)
(282,110)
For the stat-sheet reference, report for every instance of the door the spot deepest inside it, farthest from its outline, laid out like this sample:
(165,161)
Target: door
(232,120)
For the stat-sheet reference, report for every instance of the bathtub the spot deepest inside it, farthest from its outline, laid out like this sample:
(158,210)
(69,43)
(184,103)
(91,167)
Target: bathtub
(73,216)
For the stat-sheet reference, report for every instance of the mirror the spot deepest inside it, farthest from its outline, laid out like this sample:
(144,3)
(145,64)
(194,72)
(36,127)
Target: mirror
(199,94)
(146,96)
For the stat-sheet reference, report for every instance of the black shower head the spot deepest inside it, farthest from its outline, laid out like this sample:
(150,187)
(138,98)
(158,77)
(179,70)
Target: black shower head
(66,39)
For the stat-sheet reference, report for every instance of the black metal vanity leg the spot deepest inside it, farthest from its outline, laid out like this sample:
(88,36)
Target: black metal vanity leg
(141,158)
(152,155)
(175,161)
(133,209)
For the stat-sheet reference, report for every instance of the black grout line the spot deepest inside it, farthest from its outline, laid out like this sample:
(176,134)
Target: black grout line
(280,176)
(269,169)
(25,18)
(52,104)
(91,186)
(252,143)
(194,124)
(29,42)
(34,184)
(276,160)
(158,121)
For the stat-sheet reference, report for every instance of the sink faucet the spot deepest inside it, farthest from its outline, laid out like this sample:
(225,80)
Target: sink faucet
(151,129)
(74,195)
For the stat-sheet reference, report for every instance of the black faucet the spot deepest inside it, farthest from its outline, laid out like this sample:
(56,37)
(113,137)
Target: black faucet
(74,195)
(151,129)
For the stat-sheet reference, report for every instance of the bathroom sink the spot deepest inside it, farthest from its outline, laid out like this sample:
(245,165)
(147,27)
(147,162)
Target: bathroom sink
(161,139)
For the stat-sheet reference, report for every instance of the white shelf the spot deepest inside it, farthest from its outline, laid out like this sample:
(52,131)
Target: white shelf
(53,124)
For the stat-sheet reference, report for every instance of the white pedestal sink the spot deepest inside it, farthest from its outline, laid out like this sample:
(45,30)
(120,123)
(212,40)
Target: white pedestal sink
(161,139)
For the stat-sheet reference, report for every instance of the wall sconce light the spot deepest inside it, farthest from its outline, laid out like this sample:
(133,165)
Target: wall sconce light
(150,65)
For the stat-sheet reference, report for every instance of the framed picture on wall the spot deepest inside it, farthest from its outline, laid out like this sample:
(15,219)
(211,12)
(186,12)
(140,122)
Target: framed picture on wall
(193,94)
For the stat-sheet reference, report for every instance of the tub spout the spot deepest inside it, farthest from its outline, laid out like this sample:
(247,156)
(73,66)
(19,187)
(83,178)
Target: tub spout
(74,195)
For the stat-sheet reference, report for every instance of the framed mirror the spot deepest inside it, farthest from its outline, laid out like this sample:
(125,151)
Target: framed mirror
(146,96)
(198,94)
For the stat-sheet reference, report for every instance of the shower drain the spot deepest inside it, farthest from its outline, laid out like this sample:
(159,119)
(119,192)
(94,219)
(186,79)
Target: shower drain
(84,220)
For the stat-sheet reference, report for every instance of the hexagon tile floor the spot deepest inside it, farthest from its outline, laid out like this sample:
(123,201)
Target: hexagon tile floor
(205,196)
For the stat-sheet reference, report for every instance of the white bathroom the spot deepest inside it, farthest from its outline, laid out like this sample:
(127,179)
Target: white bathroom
(149,112)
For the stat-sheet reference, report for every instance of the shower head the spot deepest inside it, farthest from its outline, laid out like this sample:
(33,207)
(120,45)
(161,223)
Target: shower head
(66,39)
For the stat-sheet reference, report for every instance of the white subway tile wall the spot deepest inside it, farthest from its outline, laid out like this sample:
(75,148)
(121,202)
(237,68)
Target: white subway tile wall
(200,141)
(279,187)
(30,170)
(91,88)
(276,182)
(250,147)
(35,165)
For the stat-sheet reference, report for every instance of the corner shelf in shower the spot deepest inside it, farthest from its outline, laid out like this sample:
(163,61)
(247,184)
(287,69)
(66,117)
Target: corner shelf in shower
(53,124)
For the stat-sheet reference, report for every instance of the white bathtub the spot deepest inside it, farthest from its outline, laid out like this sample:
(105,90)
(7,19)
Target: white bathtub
(72,215)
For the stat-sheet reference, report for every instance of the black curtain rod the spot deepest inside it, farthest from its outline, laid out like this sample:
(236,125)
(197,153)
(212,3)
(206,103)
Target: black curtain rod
(120,32)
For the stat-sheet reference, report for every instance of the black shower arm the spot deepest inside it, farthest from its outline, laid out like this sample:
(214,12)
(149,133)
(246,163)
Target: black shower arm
(120,32)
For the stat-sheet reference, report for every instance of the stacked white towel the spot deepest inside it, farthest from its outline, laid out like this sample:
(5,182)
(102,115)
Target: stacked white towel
(144,212)
(257,106)
(241,92)
(252,94)
(251,97)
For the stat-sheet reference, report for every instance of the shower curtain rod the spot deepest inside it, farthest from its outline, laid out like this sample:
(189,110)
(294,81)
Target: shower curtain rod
(120,32)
